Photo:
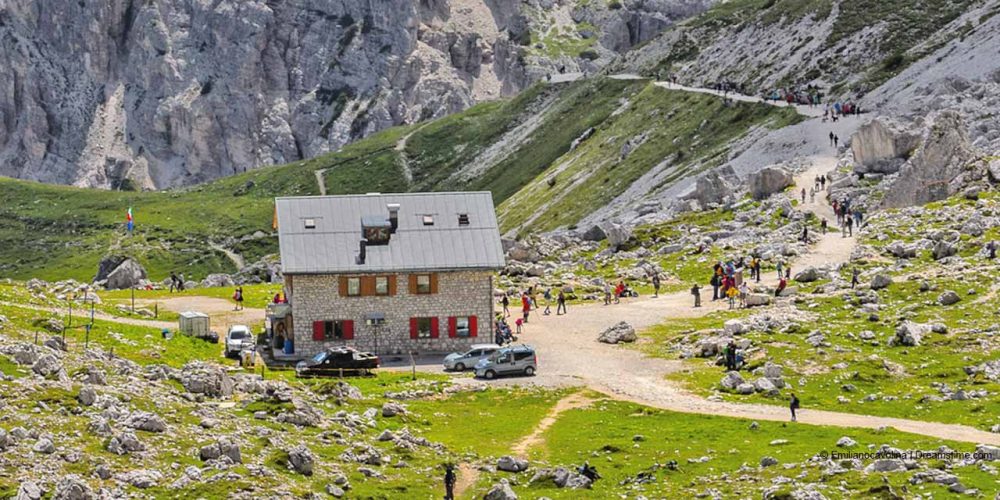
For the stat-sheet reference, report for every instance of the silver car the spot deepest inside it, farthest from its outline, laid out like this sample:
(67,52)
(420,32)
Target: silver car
(514,360)
(459,361)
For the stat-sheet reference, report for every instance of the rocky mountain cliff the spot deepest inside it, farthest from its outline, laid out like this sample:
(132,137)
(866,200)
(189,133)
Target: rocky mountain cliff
(131,94)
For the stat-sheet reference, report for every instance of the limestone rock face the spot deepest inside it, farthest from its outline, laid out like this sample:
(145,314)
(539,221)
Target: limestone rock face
(769,180)
(882,145)
(173,92)
(934,171)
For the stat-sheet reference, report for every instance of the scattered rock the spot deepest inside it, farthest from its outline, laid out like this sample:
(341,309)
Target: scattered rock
(881,281)
(508,463)
(500,491)
(145,421)
(948,298)
(221,448)
(47,366)
(621,332)
(846,442)
(300,460)
(768,461)
(391,409)
(71,487)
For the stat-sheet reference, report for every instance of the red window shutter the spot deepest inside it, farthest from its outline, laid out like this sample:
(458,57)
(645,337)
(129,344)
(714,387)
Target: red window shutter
(318,328)
(435,327)
(348,329)
(413,328)
(452,327)
(473,325)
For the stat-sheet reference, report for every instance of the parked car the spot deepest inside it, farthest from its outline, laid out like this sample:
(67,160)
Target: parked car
(520,359)
(238,337)
(459,361)
(337,361)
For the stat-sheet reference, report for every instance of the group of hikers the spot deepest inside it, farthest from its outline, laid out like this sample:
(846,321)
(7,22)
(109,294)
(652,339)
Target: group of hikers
(848,216)
(728,284)
(810,96)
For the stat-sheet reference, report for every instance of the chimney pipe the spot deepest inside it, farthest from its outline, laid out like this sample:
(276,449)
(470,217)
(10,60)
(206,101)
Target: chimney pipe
(393,217)
(362,247)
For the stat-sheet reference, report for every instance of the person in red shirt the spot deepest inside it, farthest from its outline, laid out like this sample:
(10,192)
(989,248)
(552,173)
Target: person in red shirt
(525,306)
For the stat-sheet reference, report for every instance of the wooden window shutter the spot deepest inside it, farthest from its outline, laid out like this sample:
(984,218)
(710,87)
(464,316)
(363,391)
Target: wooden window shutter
(434,283)
(343,286)
(318,329)
(435,327)
(473,325)
(392,285)
(452,327)
(414,328)
(367,286)
(413,284)
(348,329)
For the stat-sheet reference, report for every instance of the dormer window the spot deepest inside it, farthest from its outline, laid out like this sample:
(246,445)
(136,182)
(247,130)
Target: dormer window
(428,220)
(463,219)
(376,229)
(310,223)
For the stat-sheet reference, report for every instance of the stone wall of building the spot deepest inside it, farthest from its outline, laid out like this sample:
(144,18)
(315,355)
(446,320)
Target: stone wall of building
(459,293)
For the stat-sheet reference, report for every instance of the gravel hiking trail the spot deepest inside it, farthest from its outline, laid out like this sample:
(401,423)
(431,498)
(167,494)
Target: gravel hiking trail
(569,354)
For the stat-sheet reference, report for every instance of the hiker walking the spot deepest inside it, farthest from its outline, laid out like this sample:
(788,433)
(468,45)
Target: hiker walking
(716,283)
(779,267)
(607,293)
(548,300)
(831,138)
(505,302)
(822,225)
(812,195)
(731,356)
(173,281)
(697,295)
(731,294)
(849,223)
(449,482)
(525,306)
(805,234)
(992,248)
(854,277)
(561,303)
(803,195)
(656,285)
(793,405)
(238,297)
(836,141)
(180,283)
(744,293)
(757,269)
(822,181)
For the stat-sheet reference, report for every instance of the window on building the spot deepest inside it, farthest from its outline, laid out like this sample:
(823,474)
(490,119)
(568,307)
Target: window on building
(428,220)
(423,283)
(310,223)
(463,219)
(353,287)
(333,330)
(381,285)
(462,327)
(424,328)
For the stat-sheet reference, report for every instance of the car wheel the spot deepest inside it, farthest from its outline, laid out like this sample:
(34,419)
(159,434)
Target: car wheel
(459,367)
(490,374)
(529,371)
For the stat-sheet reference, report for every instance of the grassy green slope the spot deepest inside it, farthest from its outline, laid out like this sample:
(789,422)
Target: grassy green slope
(691,131)
(58,232)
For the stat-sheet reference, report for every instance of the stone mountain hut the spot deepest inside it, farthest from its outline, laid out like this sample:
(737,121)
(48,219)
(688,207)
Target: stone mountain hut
(389,273)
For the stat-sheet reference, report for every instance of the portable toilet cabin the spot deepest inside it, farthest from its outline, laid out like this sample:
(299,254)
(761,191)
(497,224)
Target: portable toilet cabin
(195,324)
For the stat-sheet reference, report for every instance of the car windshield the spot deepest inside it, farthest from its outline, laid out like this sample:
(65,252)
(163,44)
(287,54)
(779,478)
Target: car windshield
(237,334)
(319,357)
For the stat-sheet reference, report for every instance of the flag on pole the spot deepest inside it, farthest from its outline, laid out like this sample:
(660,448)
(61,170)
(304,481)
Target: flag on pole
(129,221)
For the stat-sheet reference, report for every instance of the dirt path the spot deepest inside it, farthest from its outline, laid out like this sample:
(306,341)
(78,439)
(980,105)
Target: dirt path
(400,148)
(221,311)
(236,258)
(149,323)
(468,474)
(811,111)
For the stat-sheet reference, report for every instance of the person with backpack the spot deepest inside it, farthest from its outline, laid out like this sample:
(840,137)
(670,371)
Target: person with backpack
(696,291)
(822,225)
(561,303)
(607,293)
(449,482)
(505,301)
(991,247)
(656,285)
(716,283)
(779,266)
(525,307)
(757,269)
(238,297)
(793,405)
(173,281)
(731,294)
(848,224)
(854,277)
(548,300)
